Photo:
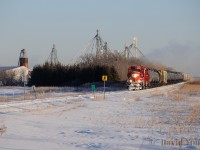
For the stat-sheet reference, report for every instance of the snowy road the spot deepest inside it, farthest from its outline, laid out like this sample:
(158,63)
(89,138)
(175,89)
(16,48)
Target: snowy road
(125,120)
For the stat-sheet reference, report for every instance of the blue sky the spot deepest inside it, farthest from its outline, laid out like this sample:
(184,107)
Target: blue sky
(70,24)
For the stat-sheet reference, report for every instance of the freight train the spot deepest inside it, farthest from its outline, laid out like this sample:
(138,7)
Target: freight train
(141,77)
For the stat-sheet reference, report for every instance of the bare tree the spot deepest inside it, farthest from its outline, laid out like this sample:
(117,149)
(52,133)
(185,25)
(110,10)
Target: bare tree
(119,62)
(8,78)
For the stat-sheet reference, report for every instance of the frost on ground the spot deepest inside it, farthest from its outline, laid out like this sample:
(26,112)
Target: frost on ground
(167,117)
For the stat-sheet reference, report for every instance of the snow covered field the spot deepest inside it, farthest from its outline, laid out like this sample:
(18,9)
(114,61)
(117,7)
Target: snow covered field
(158,118)
(10,91)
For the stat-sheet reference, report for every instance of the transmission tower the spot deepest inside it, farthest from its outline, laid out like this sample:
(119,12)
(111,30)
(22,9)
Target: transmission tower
(101,46)
(53,59)
(98,45)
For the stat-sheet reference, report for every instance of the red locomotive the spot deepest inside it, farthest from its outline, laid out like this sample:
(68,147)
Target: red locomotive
(141,77)
(138,77)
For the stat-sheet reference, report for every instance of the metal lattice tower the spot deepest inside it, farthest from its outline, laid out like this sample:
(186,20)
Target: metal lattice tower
(98,45)
(53,59)
(98,42)
(101,46)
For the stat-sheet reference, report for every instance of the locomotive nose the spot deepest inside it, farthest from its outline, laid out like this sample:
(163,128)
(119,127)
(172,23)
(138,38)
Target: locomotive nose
(135,75)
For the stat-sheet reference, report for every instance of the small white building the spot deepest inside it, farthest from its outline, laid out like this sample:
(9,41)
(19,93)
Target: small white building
(14,75)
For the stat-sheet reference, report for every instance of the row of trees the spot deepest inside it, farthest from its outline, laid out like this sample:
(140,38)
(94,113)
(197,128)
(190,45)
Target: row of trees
(89,68)
(61,75)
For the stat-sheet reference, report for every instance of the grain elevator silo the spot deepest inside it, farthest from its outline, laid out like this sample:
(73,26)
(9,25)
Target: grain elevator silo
(23,59)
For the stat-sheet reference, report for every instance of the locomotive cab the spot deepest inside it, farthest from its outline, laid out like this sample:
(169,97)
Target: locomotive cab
(138,77)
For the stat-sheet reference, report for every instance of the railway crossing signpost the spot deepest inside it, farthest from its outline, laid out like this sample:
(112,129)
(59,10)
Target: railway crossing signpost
(104,79)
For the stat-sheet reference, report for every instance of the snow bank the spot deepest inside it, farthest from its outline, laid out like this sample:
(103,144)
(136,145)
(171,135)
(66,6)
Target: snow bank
(125,120)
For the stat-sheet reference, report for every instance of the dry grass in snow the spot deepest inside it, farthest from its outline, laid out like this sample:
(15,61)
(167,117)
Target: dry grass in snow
(2,129)
(158,118)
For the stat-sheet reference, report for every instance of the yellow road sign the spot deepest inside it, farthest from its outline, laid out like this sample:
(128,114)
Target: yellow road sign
(104,78)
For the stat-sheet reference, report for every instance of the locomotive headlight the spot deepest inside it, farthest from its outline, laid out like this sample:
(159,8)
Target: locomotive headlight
(135,75)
